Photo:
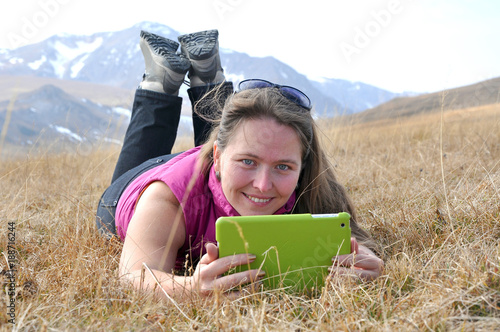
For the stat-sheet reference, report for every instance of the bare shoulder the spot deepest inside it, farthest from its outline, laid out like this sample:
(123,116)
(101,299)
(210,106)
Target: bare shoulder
(159,191)
(158,207)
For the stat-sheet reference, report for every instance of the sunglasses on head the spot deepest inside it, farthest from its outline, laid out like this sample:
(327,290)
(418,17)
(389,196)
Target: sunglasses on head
(291,93)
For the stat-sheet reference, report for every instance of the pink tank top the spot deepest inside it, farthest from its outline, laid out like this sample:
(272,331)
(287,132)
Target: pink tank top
(201,205)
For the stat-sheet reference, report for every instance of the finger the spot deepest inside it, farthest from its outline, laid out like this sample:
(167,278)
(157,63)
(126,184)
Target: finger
(205,259)
(343,271)
(211,255)
(347,260)
(238,279)
(368,262)
(354,245)
(360,261)
(223,264)
(233,281)
(344,260)
(212,251)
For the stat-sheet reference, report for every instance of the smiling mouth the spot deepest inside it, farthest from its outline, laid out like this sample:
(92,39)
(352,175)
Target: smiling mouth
(257,200)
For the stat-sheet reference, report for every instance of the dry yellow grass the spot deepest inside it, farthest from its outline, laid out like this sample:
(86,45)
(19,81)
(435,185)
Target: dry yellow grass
(427,188)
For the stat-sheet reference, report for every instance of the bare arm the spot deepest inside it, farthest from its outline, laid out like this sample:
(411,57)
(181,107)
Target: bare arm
(156,233)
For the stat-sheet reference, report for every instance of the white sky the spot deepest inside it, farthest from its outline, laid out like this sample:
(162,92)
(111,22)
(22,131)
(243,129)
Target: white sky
(399,45)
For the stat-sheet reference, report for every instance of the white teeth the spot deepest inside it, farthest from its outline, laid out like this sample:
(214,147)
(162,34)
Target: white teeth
(258,200)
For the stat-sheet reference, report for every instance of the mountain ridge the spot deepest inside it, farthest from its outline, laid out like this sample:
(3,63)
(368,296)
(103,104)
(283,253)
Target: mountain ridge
(115,59)
(49,114)
(13,85)
(478,94)
(84,87)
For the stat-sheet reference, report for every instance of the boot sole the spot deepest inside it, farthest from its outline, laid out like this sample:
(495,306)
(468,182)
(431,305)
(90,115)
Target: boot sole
(200,45)
(165,58)
(159,43)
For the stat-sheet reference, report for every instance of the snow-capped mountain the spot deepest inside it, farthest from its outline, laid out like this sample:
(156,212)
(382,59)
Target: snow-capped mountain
(107,58)
(356,96)
(114,58)
(49,114)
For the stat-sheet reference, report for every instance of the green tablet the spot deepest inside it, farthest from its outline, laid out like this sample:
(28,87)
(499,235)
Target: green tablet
(295,250)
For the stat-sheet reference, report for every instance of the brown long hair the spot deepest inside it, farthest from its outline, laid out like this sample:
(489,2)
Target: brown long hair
(318,190)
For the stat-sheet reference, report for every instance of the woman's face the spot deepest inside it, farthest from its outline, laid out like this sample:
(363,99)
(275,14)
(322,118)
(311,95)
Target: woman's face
(260,166)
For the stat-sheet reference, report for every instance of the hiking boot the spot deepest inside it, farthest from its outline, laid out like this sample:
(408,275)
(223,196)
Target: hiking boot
(202,49)
(165,69)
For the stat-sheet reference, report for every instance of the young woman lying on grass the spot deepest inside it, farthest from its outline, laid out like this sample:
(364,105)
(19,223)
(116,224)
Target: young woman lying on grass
(261,155)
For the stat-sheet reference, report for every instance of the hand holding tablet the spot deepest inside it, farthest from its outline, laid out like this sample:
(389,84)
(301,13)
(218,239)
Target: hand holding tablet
(295,250)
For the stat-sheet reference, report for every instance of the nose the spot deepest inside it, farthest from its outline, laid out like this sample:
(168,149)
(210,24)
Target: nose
(263,180)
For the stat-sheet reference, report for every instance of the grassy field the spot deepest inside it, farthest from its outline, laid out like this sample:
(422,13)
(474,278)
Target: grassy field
(426,187)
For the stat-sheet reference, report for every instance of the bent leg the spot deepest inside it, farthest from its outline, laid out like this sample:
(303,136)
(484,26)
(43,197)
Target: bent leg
(152,129)
(206,102)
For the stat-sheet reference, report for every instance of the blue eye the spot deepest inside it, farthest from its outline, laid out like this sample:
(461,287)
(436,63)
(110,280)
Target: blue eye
(283,167)
(247,162)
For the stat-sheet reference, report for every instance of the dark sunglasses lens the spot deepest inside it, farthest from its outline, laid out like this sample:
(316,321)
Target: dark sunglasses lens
(296,96)
(253,84)
(289,92)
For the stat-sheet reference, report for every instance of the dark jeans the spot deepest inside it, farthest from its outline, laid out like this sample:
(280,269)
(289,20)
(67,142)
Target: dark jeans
(149,140)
